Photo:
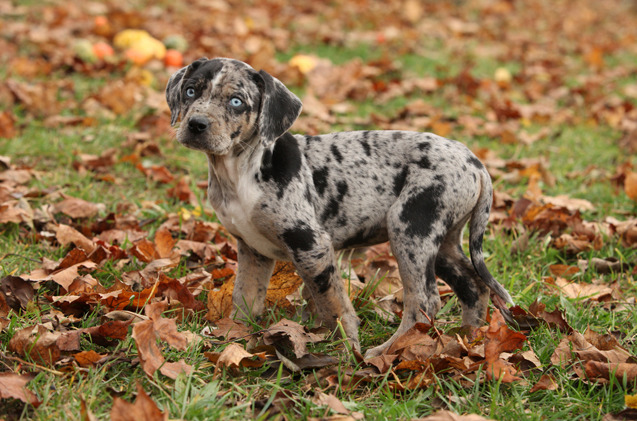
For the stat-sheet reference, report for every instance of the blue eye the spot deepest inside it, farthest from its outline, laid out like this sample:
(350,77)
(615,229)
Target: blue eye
(235,102)
(190,92)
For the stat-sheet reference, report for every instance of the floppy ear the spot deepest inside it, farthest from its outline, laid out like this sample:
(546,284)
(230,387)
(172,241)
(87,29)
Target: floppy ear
(279,108)
(173,89)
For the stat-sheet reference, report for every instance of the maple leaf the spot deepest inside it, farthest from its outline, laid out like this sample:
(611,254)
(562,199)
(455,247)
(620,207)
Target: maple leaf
(499,338)
(146,334)
(234,356)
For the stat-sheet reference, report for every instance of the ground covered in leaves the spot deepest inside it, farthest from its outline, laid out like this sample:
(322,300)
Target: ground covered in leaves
(116,278)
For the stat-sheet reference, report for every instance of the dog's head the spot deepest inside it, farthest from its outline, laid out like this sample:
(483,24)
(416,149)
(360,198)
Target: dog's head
(222,103)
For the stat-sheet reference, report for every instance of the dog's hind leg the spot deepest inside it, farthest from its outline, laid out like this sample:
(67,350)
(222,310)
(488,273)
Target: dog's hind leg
(415,251)
(454,267)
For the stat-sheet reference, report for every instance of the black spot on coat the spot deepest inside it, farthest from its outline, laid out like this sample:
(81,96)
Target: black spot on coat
(322,280)
(399,180)
(366,148)
(283,164)
(475,162)
(337,154)
(422,210)
(319,177)
(299,239)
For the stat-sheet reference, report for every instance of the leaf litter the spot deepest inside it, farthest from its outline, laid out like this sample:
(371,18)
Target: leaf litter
(485,106)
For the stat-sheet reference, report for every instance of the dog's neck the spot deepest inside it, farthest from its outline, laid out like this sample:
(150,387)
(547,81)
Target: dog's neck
(226,172)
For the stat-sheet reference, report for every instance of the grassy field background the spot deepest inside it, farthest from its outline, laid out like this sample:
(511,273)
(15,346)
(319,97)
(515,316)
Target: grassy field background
(544,92)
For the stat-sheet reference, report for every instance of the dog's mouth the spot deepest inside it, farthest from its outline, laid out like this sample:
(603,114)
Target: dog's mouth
(205,142)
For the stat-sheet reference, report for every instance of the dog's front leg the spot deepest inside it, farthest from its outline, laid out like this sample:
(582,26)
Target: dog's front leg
(251,283)
(315,261)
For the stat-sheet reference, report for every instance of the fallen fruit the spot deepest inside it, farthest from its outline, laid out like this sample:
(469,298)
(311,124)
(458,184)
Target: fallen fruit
(84,50)
(176,42)
(102,50)
(173,58)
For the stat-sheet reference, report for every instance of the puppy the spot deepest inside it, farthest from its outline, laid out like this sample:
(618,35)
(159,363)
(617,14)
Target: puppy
(300,198)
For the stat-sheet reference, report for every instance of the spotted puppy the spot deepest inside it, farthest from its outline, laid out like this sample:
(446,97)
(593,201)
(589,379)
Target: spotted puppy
(299,198)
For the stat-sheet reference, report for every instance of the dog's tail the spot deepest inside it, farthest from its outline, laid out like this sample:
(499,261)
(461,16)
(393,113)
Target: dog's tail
(477,227)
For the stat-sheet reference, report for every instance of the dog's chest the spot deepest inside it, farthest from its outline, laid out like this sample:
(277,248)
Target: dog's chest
(236,214)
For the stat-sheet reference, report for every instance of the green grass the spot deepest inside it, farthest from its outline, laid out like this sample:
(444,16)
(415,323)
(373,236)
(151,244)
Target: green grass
(259,393)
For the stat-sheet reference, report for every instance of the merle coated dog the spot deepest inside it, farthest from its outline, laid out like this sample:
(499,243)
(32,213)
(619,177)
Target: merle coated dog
(300,198)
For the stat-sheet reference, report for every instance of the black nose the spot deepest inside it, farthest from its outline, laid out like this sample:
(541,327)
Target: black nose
(198,124)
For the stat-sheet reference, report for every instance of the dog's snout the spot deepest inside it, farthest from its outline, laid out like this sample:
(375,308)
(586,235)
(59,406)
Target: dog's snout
(198,124)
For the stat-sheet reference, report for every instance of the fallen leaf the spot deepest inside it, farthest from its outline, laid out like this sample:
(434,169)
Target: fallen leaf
(602,370)
(17,292)
(67,235)
(234,356)
(284,281)
(143,409)
(77,208)
(220,301)
(580,290)
(146,334)
(13,386)
(290,335)
(230,329)
(36,343)
(546,382)
(7,125)
(630,185)
(329,400)
(499,338)
(87,358)
(576,345)
(451,416)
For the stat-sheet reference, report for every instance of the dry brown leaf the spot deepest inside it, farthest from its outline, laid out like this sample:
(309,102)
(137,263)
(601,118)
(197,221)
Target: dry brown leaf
(630,185)
(329,400)
(288,334)
(415,344)
(143,409)
(283,282)
(499,338)
(546,382)
(576,345)
(383,362)
(87,358)
(451,416)
(66,235)
(77,208)
(173,370)
(36,343)
(182,192)
(7,125)
(146,334)
(230,329)
(602,370)
(164,243)
(583,290)
(220,301)
(235,356)
(16,211)
(13,386)
(17,292)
